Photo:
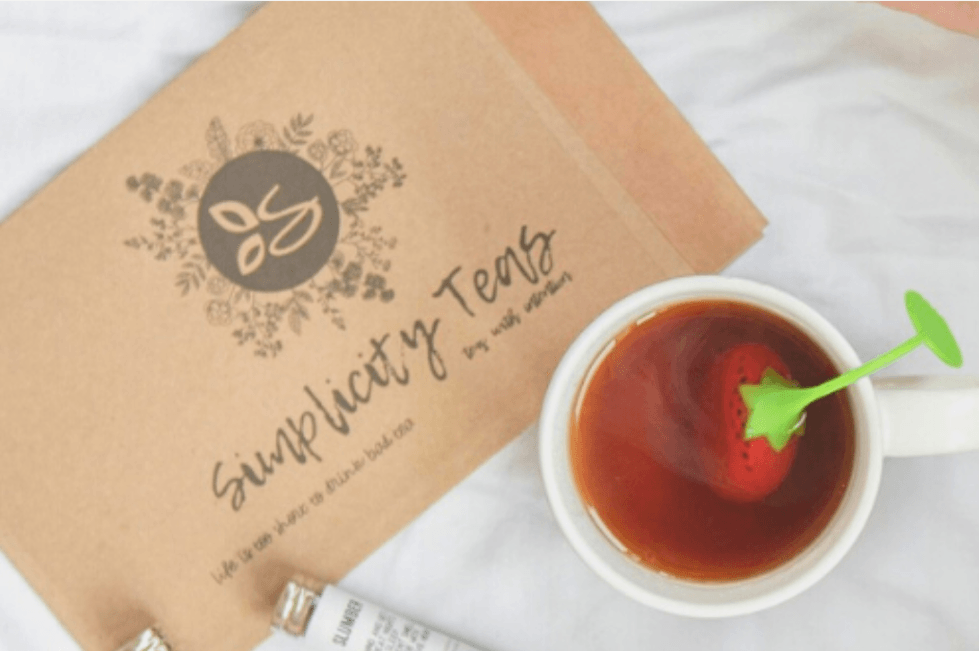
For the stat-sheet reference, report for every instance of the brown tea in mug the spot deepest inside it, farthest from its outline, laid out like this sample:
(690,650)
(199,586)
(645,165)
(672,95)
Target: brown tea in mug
(638,445)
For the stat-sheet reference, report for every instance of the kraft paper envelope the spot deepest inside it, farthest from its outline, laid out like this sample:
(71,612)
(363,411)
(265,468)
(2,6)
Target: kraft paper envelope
(311,285)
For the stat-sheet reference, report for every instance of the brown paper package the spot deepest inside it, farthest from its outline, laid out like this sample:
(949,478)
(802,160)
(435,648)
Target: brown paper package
(310,286)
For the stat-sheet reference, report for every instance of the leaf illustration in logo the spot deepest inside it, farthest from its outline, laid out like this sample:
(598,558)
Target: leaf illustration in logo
(218,143)
(233,216)
(251,254)
(295,321)
(198,170)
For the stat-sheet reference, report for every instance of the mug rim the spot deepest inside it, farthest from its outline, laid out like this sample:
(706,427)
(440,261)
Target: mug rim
(709,598)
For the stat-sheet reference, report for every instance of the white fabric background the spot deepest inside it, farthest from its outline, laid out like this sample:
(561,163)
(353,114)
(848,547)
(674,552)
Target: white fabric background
(856,132)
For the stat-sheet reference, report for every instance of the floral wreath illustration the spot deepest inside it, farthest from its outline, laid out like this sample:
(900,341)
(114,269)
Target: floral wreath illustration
(356,268)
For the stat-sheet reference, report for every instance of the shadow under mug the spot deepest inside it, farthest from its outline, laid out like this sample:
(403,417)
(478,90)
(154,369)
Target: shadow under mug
(892,417)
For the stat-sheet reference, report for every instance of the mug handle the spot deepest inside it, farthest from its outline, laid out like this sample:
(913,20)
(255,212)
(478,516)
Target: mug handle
(928,414)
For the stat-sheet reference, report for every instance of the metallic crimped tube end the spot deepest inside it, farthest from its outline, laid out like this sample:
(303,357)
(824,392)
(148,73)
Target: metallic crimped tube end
(148,640)
(296,605)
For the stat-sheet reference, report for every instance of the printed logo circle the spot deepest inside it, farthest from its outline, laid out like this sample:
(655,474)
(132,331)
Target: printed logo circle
(268,221)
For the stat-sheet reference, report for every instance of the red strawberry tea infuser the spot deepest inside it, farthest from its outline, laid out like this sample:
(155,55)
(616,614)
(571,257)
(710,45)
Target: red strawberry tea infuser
(762,409)
(743,469)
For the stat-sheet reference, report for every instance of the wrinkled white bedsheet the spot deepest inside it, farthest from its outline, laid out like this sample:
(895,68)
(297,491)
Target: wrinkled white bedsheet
(853,128)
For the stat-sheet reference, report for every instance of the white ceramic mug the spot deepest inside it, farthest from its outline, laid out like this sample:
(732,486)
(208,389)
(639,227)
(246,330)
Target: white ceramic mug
(892,417)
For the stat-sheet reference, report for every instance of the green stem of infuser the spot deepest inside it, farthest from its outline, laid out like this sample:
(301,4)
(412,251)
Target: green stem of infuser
(775,409)
(837,383)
